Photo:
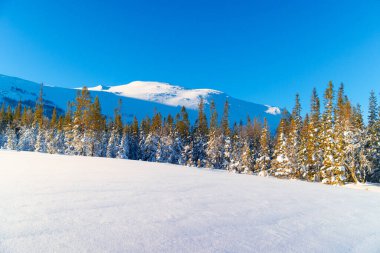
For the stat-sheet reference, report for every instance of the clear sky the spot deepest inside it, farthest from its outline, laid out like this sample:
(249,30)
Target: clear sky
(262,51)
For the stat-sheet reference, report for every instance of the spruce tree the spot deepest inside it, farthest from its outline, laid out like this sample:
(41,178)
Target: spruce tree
(81,121)
(331,172)
(280,166)
(134,140)
(40,144)
(294,141)
(115,135)
(215,141)
(200,137)
(314,140)
(373,139)
(263,162)
(123,151)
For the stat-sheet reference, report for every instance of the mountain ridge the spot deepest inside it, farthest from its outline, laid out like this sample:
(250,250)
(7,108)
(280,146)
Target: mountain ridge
(139,98)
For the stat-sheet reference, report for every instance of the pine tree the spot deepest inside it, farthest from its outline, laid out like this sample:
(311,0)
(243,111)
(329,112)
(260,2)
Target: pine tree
(215,143)
(81,121)
(39,110)
(134,140)
(115,135)
(96,128)
(263,162)
(280,164)
(123,151)
(183,131)
(354,158)
(40,145)
(313,146)
(341,125)
(254,139)
(331,171)
(11,138)
(27,133)
(3,125)
(68,131)
(373,139)
(226,139)
(247,161)
(304,154)
(225,122)
(236,163)
(363,164)
(294,142)
(200,137)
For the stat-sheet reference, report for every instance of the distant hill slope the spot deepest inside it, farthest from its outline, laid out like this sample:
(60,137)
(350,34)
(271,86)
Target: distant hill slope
(139,99)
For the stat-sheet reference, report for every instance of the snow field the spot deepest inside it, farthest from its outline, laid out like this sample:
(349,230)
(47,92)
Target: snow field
(52,203)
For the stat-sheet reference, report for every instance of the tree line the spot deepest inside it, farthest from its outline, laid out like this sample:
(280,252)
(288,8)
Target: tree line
(330,144)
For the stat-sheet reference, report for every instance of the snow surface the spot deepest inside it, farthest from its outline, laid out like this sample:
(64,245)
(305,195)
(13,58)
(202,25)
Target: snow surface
(52,203)
(367,187)
(162,93)
(273,110)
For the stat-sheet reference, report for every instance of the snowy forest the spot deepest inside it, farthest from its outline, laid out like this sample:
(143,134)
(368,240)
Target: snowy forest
(330,144)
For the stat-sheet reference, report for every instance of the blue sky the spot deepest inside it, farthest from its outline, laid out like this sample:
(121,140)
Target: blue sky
(262,51)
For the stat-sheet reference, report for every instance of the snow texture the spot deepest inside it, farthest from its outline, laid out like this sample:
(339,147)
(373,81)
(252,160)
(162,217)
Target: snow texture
(52,203)
(163,93)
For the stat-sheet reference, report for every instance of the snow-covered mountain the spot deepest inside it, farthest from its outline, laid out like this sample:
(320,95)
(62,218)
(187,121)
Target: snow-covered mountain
(139,99)
(162,93)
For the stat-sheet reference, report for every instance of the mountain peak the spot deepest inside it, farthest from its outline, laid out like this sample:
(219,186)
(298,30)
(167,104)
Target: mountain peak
(159,92)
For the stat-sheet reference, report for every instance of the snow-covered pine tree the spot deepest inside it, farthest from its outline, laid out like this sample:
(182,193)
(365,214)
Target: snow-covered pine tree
(10,138)
(304,152)
(3,125)
(314,152)
(354,162)
(24,142)
(254,135)
(200,137)
(40,145)
(226,138)
(144,131)
(60,141)
(150,138)
(165,140)
(176,150)
(341,126)
(373,139)
(280,166)
(183,131)
(134,140)
(51,134)
(81,121)
(215,141)
(263,161)
(123,150)
(27,138)
(294,141)
(95,130)
(360,136)
(236,163)
(330,172)
(115,135)
(246,159)
(68,131)
(157,131)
